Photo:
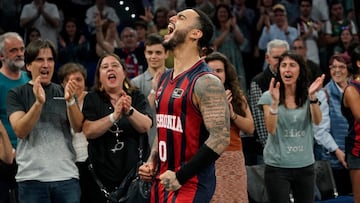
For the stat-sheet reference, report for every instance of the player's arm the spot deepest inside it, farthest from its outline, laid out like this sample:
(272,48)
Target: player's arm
(210,98)
(147,171)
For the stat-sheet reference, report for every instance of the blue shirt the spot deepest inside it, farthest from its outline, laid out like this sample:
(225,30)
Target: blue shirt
(275,32)
(5,85)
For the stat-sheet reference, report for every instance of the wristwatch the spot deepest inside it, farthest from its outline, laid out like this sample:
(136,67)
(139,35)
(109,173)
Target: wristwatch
(315,101)
(131,112)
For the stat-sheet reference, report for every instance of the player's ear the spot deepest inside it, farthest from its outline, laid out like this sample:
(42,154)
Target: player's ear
(196,34)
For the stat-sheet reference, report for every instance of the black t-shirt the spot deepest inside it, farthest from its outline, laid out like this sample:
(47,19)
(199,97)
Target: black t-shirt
(113,156)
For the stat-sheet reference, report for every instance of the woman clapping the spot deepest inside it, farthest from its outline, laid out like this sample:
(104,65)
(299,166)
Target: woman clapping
(116,115)
(290,107)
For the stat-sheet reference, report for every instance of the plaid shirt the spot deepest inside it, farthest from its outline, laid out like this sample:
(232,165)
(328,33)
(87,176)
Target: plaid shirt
(257,112)
(259,84)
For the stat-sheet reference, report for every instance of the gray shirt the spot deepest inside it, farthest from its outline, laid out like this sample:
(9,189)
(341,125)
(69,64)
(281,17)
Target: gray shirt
(144,83)
(292,144)
(46,154)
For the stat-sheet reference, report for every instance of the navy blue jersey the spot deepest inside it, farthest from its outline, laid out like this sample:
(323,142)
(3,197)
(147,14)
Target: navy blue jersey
(181,132)
(353,138)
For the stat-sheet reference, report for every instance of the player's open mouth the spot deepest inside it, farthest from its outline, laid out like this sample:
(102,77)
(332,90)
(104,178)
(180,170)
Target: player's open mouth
(171,28)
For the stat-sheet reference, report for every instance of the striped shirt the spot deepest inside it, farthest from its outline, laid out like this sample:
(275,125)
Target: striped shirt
(181,132)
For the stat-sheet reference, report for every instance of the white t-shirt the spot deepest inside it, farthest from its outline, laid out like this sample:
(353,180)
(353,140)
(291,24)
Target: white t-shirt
(47,31)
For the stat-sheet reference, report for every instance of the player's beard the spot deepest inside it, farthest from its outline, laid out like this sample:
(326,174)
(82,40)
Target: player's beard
(178,38)
(15,64)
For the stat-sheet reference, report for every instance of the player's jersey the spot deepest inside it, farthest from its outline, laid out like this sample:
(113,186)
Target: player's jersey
(353,138)
(181,132)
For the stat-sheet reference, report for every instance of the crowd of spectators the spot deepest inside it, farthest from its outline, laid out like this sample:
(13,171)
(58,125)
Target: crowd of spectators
(85,30)
(243,28)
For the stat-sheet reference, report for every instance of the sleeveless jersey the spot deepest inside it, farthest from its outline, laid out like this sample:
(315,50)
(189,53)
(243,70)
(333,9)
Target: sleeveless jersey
(181,132)
(353,138)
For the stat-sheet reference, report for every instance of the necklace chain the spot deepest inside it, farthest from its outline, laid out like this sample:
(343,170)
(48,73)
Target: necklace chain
(117,131)
(118,145)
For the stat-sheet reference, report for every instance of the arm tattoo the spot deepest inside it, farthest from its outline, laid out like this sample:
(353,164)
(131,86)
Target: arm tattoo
(211,100)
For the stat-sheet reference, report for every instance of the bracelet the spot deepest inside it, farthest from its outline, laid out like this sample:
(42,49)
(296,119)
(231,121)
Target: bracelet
(273,111)
(112,119)
(152,91)
(233,118)
(70,103)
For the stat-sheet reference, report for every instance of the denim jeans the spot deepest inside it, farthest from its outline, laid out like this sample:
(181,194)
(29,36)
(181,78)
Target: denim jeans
(67,191)
(280,182)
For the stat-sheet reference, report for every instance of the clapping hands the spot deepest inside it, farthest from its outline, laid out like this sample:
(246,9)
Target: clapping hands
(316,85)
(274,90)
(122,105)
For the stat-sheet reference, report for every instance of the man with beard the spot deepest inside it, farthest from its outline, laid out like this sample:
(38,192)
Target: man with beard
(193,121)
(12,58)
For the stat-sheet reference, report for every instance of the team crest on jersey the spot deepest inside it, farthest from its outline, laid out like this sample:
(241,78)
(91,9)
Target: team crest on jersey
(158,92)
(177,93)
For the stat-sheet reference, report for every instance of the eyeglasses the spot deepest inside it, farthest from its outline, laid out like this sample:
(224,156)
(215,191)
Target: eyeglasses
(340,67)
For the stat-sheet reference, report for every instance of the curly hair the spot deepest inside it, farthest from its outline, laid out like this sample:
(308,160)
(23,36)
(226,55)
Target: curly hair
(231,82)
